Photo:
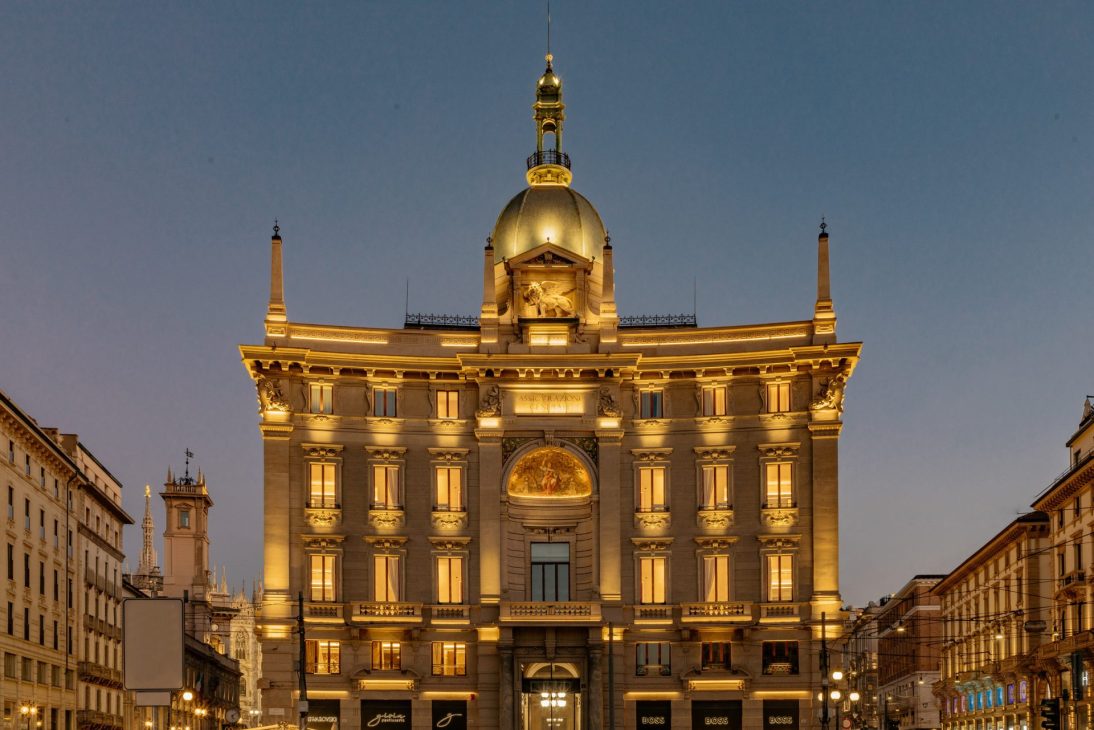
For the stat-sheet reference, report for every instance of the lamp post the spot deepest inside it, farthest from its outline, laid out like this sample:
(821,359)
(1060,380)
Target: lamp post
(254,716)
(29,712)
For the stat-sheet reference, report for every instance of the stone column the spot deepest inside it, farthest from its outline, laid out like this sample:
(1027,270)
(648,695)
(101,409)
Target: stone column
(825,517)
(491,558)
(610,515)
(596,687)
(506,713)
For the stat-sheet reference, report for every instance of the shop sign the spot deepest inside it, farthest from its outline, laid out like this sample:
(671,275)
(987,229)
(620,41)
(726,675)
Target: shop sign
(323,715)
(449,714)
(780,715)
(385,714)
(716,715)
(653,715)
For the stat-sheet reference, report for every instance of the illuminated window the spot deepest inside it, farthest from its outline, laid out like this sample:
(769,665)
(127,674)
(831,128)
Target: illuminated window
(779,485)
(322,577)
(550,571)
(780,657)
(649,404)
(714,400)
(184,519)
(449,579)
(321,398)
(321,485)
(449,659)
(716,655)
(715,578)
(651,489)
(715,487)
(385,487)
(652,657)
(448,404)
(780,577)
(449,489)
(383,402)
(651,579)
(778,397)
(386,655)
(323,657)
(387,584)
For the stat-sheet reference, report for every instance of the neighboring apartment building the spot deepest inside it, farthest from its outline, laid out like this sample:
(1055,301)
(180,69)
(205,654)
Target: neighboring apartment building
(1069,504)
(487,516)
(63,552)
(909,632)
(857,658)
(995,612)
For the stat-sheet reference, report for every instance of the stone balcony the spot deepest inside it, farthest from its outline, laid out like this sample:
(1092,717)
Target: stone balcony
(774,613)
(450,614)
(323,613)
(386,612)
(547,612)
(733,612)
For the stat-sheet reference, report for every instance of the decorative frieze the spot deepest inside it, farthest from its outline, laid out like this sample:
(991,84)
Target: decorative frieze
(322,451)
(386,542)
(779,451)
(714,453)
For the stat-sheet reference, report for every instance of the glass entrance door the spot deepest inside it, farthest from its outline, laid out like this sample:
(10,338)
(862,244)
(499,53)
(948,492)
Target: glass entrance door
(551,704)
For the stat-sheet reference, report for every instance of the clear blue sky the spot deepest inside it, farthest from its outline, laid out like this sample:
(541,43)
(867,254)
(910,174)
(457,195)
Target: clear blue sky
(146,148)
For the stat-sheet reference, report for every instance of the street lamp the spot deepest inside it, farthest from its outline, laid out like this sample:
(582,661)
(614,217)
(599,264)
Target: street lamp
(29,712)
(254,716)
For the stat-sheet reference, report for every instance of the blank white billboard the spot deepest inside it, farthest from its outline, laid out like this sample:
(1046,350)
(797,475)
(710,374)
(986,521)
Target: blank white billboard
(153,645)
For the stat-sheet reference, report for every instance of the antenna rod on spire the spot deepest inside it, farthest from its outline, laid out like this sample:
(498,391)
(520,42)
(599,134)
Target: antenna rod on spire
(548,27)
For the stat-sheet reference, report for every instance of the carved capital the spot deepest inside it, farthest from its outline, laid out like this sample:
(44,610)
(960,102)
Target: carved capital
(779,517)
(652,520)
(386,518)
(322,517)
(714,519)
(448,520)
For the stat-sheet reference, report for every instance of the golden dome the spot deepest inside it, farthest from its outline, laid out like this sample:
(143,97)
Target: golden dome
(549,213)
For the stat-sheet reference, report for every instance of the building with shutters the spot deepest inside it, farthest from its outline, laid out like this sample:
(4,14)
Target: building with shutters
(551,515)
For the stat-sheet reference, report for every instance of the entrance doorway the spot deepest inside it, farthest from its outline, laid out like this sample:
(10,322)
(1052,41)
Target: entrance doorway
(551,697)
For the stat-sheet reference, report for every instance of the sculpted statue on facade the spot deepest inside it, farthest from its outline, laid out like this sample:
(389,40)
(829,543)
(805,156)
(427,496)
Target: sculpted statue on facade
(546,299)
(490,404)
(831,394)
(607,405)
(270,397)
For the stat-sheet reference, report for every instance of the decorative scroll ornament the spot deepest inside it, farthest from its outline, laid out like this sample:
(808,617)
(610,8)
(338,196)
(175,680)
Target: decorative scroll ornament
(490,404)
(270,397)
(607,405)
(831,394)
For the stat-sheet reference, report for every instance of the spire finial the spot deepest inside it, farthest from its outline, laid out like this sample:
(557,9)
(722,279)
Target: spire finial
(549,57)
(277,229)
(607,239)
(824,226)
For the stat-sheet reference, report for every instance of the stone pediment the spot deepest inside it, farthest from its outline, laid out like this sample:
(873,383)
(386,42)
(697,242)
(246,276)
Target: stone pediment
(548,254)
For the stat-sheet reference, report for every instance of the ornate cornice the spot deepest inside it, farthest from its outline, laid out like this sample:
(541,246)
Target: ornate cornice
(716,543)
(386,541)
(322,542)
(443,454)
(450,543)
(779,451)
(652,543)
(713,453)
(651,454)
(386,453)
(779,542)
(322,451)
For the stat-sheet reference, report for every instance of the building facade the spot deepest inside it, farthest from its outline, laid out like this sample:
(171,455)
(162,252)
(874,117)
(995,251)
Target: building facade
(994,617)
(908,646)
(549,516)
(858,660)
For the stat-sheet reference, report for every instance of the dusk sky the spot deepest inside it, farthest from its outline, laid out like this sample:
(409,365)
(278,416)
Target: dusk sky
(146,148)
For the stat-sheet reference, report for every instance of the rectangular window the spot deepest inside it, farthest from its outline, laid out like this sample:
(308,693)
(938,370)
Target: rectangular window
(651,489)
(56,534)
(42,525)
(323,657)
(41,578)
(184,519)
(779,491)
(716,655)
(652,657)
(449,579)
(780,657)
(1077,548)
(26,570)
(715,578)
(449,659)
(448,404)
(26,464)
(780,578)
(651,571)
(650,404)
(385,487)
(715,487)
(387,580)
(321,398)
(11,451)
(321,492)
(449,491)
(778,397)
(11,503)
(11,619)
(26,515)
(11,561)
(42,477)
(386,655)
(714,400)
(383,402)
(322,577)
(550,571)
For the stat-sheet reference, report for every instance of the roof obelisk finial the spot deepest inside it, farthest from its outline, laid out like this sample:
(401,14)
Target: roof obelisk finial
(275,311)
(824,314)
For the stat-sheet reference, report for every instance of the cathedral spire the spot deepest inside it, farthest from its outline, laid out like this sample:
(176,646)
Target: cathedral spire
(148,551)
(275,312)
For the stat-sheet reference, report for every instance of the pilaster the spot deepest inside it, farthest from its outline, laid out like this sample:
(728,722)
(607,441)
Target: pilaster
(825,437)
(610,528)
(490,554)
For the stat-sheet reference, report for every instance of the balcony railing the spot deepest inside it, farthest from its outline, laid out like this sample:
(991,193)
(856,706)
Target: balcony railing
(549,157)
(779,612)
(546,612)
(384,611)
(323,612)
(658,320)
(735,612)
(441,321)
(449,613)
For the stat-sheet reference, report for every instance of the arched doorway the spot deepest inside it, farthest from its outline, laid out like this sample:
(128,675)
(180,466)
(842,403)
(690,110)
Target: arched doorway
(551,697)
